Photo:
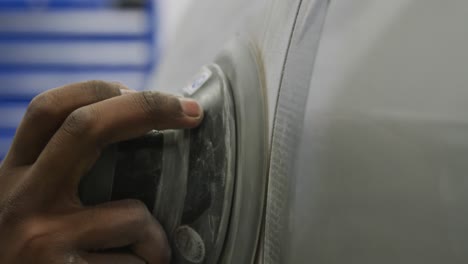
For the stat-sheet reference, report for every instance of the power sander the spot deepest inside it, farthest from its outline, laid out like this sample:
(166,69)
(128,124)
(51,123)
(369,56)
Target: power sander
(192,179)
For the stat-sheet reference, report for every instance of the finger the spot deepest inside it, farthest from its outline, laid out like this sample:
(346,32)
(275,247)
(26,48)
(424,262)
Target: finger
(46,113)
(114,258)
(77,144)
(120,224)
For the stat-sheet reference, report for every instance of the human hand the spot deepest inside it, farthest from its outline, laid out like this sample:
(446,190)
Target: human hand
(60,138)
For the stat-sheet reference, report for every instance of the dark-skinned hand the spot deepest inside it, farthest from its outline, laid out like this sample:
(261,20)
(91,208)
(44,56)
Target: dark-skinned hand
(60,138)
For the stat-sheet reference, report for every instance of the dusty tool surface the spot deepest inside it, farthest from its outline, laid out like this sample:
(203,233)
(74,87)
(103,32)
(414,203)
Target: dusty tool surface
(186,177)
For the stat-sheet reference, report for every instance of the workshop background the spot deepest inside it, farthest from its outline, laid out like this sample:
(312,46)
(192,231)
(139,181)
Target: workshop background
(50,43)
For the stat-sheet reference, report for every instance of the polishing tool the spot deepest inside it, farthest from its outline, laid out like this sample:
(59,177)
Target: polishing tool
(205,185)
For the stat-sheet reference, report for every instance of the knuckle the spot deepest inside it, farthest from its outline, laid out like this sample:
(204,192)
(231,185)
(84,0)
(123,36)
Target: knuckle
(101,89)
(42,239)
(136,205)
(40,250)
(165,254)
(96,84)
(34,233)
(81,122)
(37,244)
(42,106)
(150,103)
(159,238)
(156,105)
(139,212)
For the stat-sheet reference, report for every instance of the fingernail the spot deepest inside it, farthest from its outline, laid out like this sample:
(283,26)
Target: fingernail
(190,107)
(127,91)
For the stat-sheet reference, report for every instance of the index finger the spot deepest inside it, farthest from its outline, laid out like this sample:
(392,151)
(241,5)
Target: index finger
(77,144)
(48,110)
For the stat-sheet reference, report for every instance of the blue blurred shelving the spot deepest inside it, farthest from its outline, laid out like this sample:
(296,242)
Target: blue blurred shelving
(28,4)
(49,43)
